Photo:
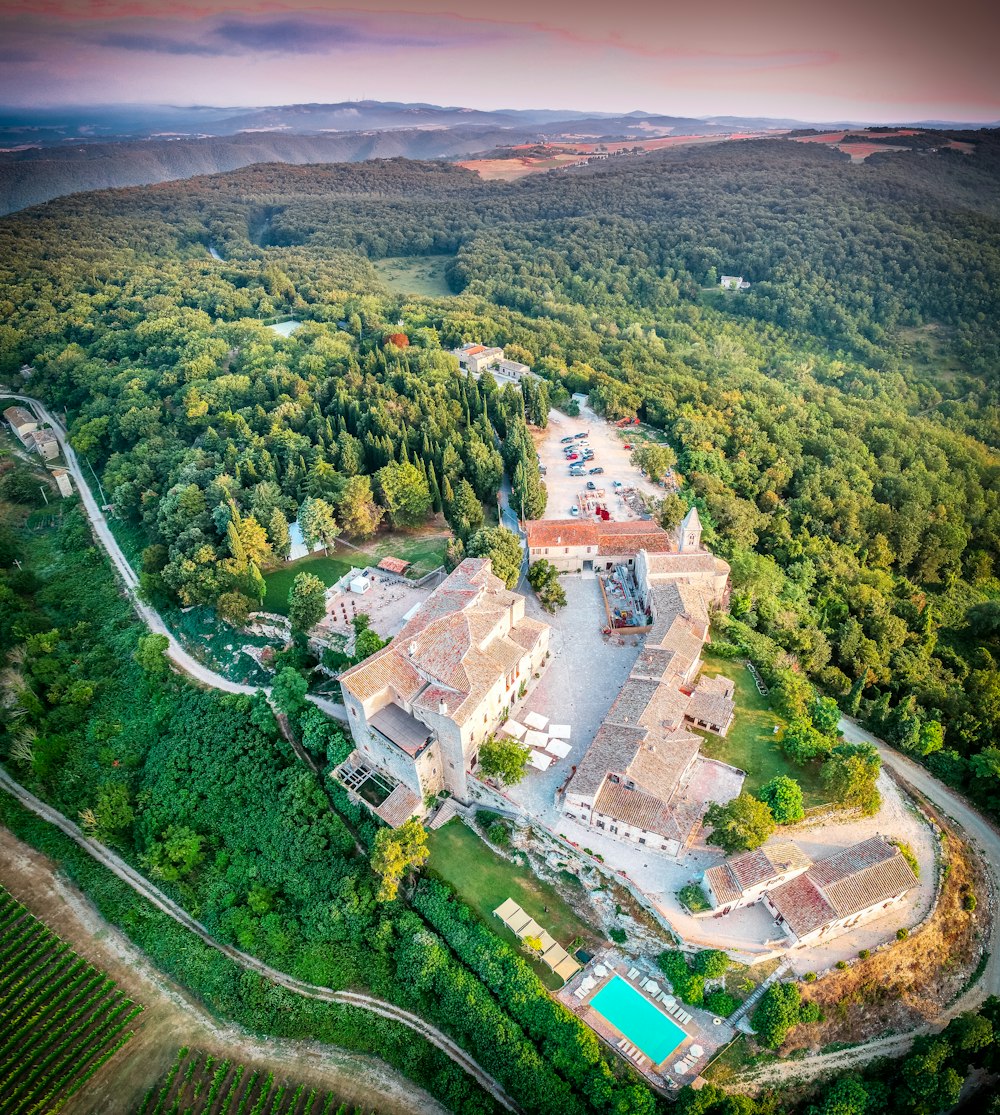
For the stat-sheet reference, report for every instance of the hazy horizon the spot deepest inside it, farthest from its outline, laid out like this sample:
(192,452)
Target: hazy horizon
(885,63)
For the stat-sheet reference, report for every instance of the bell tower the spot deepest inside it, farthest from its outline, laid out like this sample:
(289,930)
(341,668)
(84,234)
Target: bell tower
(689,533)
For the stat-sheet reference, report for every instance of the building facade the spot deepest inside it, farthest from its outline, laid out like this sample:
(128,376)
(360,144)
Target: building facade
(420,708)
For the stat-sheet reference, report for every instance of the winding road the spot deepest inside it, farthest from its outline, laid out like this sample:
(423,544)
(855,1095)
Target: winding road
(980,832)
(195,669)
(162,902)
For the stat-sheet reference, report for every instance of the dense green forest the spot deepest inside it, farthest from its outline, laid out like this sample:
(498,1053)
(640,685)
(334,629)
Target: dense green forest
(837,425)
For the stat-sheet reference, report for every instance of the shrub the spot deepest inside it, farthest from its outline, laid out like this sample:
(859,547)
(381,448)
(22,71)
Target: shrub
(721,1003)
(776,1013)
(499,834)
(864,954)
(810,1012)
(688,985)
(809,977)
(969,902)
(711,963)
(902,934)
(619,936)
(694,898)
(841,964)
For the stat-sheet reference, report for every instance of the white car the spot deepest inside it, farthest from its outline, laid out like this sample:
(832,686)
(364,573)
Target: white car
(574,510)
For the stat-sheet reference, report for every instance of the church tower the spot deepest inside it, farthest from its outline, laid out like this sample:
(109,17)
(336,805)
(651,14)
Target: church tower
(689,534)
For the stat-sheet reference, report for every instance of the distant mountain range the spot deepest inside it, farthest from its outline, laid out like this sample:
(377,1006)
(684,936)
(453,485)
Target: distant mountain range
(45,153)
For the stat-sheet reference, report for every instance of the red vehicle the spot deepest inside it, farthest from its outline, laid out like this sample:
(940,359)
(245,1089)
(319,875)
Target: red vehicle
(628,445)
(573,457)
(627,422)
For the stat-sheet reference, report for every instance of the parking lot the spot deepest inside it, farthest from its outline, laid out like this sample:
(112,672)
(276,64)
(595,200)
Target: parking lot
(608,444)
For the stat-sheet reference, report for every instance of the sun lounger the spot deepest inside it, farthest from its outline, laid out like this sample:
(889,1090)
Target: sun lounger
(580,993)
(632,973)
(662,996)
(670,1008)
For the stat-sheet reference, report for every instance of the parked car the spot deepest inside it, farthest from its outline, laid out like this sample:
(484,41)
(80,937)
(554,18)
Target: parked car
(577,471)
(573,457)
(591,486)
(574,510)
(629,445)
(580,437)
(617,483)
(596,471)
(572,437)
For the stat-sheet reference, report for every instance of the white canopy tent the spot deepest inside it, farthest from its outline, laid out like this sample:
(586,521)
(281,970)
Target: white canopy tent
(536,720)
(540,760)
(536,739)
(558,748)
(561,731)
(513,728)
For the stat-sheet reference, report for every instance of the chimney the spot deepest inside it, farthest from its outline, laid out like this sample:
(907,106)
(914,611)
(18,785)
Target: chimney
(412,649)
(443,708)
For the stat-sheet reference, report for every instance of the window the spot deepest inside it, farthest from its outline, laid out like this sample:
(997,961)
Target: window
(600,824)
(642,840)
(614,828)
(566,551)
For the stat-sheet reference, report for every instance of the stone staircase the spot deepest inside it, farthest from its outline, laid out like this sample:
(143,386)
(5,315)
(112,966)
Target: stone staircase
(446,810)
(737,1018)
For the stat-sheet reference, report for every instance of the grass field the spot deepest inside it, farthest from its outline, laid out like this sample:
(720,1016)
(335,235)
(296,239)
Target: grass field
(62,1019)
(422,275)
(484,880)
(197,1084)
(752,744)
(424,552)
(328,569)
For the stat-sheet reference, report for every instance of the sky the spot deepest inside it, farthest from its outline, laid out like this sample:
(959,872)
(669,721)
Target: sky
(864,60)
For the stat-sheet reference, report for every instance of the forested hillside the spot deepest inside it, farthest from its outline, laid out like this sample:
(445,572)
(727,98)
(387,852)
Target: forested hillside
(837,423)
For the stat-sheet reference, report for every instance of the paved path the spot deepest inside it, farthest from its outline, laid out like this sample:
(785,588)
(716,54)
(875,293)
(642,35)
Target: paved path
(144,887)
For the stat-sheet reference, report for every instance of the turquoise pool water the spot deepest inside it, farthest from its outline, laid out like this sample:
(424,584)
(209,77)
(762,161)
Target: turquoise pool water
(645,1026)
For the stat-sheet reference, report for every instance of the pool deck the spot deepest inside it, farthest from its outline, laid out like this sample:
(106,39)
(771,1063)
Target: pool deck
(702,1030)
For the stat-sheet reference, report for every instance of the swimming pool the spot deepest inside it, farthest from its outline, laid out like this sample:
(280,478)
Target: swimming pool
(645,1026)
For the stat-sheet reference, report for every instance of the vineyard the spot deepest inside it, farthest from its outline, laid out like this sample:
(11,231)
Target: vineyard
(60,1018)
(198,1084)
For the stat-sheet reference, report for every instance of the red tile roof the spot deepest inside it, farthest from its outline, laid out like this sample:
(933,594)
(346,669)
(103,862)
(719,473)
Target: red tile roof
(394,565)
(611,538)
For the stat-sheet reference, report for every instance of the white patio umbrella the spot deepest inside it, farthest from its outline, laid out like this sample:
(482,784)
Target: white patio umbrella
(680,1068)
(600,971)
(696,1051)
(536,720)
(562,731)
(653,987)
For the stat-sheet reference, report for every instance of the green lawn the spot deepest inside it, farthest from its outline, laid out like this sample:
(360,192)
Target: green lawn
(752,744)
(484,880)
(424,552)
(328,569)
(422,275)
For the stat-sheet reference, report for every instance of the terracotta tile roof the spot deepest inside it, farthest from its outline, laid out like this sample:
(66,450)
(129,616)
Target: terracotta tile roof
(844,884)
(613,748)
(18,416)
(723,883)
(802,905)
(456,645)
(660,763)
(680,564)
(710,708)
(560,532)
(394,565)
(399,806)
(631,807)
(610,538)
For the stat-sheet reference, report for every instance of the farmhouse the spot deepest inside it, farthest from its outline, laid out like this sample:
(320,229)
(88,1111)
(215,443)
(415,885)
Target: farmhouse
(43,442)
(477,358)
(22,422)
(642,778)
(733,282)
(420,708)
(837,893)
(742,880)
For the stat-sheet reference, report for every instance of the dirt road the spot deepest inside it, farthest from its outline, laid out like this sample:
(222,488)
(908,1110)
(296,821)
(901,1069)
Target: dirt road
(171,1019)
(144,887)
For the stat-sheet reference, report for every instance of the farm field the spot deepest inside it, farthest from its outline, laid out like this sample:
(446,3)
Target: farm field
(422,275)
(62,1019)
(198,1083)
(752,744)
